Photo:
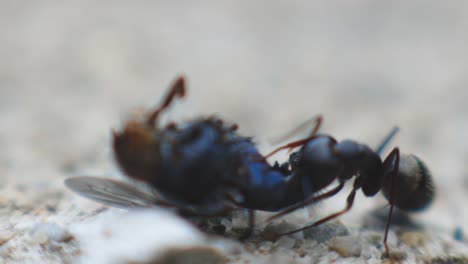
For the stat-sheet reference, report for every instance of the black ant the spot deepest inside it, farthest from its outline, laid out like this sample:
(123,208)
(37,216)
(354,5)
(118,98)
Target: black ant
(404,179)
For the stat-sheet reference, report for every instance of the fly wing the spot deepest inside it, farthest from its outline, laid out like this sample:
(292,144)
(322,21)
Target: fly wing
(113,193)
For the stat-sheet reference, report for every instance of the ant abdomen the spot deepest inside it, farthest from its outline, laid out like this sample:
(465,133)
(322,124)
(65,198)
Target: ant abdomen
(413,188)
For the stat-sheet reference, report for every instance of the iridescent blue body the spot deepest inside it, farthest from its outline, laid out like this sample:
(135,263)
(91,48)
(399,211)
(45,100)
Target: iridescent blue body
(204,166)
(263,186)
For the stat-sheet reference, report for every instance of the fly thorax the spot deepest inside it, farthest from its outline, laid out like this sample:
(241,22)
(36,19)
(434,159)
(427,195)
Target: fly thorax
(136,150)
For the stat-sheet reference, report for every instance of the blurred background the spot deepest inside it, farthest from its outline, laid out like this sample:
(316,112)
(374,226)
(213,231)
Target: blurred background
(71,71)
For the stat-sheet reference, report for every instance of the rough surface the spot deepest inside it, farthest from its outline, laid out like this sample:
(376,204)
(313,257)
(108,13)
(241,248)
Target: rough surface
(71,71)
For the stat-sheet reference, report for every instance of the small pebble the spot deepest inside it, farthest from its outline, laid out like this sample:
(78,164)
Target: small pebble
(265,247)
(326,231)
(250,247)
(6,236)
(240,220)
(449,260)
(346,246)
(396,256)
(285,242)
(274,229)
(43,233)
(377,239)
(377,218)
(413,239)
(374,237)
(136,237)
(227,224)
(370,252)
(458,234)
(280,257)
(194,255)
(227,246)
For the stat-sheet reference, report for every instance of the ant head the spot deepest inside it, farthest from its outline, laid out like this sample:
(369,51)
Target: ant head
(360,159)
(413,188)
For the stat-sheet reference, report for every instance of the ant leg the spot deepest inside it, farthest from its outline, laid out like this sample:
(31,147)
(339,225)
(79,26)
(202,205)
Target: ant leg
(349,204)
(386,140)
(318,124)
(177,89)
(307,202)
(316,119)
(251,212)
(394,158)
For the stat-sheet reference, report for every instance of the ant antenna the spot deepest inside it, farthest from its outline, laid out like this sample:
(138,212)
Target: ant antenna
(386,140)
(177,89)
(318,119)
(318,122)
(291,145)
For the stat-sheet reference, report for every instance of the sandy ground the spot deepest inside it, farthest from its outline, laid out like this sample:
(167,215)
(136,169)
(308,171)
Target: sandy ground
(69,72)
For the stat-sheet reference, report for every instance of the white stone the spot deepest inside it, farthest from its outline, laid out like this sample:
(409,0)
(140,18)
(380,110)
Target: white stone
(133,236)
